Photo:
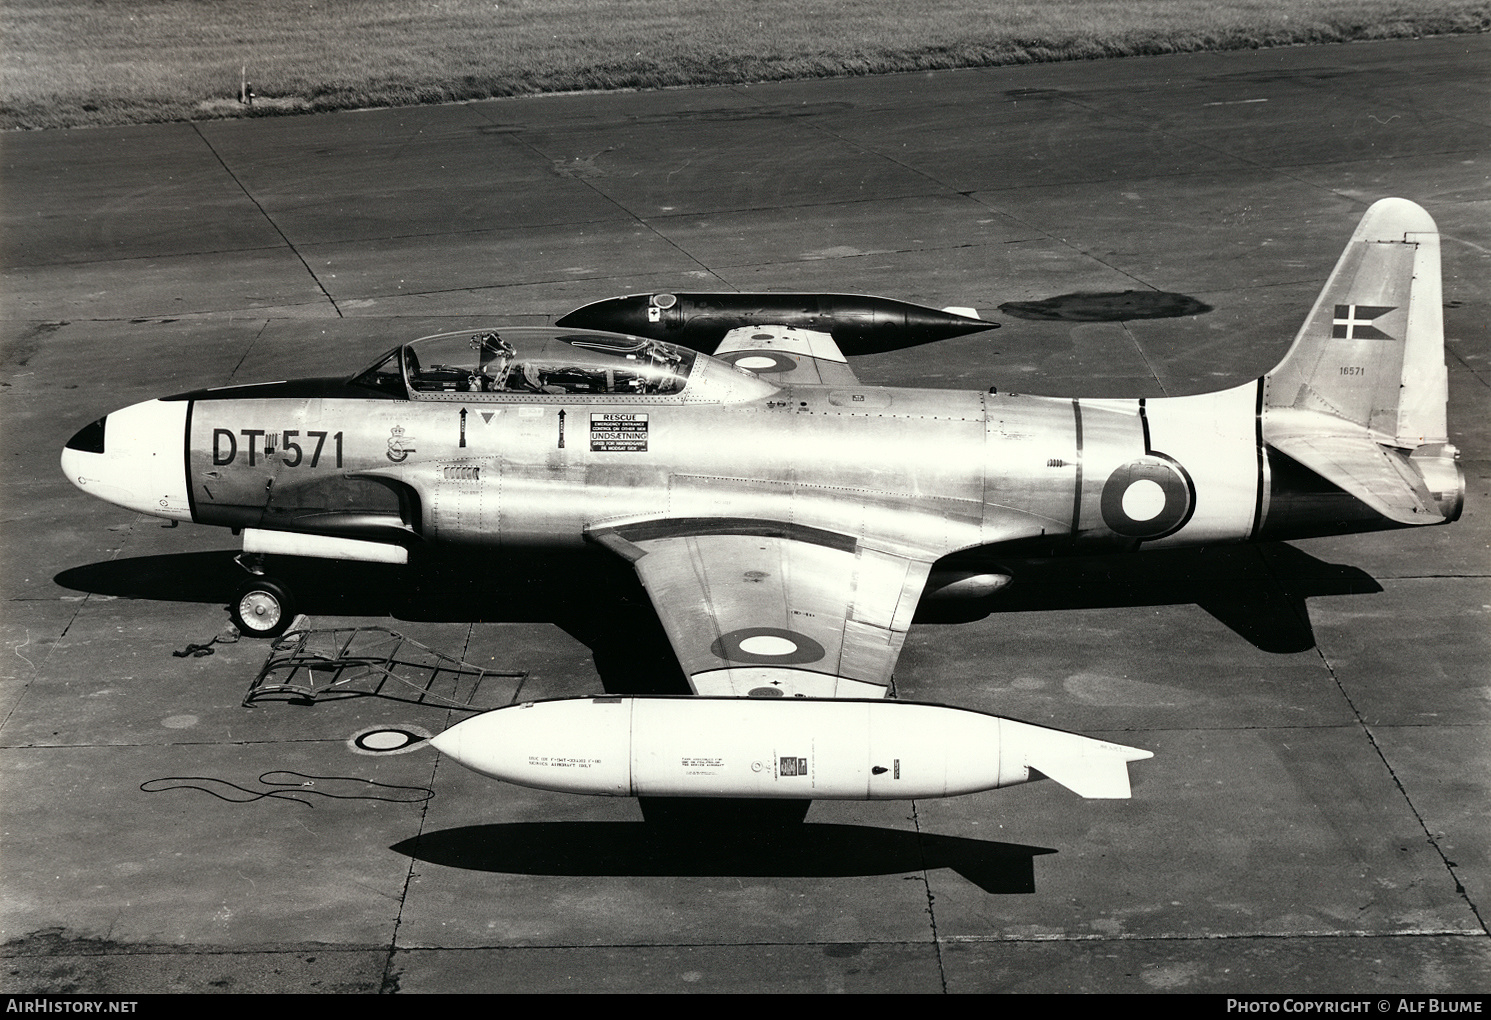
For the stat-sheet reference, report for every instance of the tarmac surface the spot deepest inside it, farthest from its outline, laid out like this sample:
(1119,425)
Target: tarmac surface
(1316,814)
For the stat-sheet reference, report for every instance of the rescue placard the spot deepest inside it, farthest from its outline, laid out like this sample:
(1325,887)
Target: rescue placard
(618,433)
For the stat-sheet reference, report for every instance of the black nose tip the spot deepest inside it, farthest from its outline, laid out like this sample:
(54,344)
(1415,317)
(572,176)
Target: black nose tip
(90,438)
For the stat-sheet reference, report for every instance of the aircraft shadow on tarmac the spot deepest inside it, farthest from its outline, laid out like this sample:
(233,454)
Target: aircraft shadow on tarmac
(644,849)
(1258,591)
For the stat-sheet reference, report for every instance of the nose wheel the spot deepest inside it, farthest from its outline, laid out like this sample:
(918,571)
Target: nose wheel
(262,609)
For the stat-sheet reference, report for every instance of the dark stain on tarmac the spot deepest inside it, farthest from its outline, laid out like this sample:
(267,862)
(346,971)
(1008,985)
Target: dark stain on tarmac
(18,352)
(595,849)
(739,113)
(59,942)
(1018,94)
(1283,75)
(60,961)
(1130,304)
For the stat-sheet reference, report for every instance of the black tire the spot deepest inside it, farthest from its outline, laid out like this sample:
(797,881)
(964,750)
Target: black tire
(262,609)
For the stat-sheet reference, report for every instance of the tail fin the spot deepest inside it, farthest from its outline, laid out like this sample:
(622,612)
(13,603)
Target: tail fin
(1360,397)
(1372,350)
(1088,767)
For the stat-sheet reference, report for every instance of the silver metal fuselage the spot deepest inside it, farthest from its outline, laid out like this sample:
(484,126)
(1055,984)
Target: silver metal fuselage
(916,472)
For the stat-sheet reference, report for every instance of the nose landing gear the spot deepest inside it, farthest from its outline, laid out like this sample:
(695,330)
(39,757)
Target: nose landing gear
(261,608)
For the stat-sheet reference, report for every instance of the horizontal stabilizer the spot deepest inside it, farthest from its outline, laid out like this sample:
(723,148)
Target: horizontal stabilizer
(1379,476)
(967,313)
(787,355)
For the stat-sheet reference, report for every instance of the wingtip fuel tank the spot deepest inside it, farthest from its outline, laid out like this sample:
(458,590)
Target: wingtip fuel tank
(858,323)
(776,748)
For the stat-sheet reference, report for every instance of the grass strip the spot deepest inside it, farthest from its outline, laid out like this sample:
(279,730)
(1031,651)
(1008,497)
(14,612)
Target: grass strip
(69,63)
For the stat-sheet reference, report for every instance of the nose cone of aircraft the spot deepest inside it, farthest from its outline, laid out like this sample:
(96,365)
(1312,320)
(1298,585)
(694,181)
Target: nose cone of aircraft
(135,458)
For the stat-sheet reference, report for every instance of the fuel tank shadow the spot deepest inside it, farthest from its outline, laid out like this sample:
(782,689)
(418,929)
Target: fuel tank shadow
(1258,591)
(605,849)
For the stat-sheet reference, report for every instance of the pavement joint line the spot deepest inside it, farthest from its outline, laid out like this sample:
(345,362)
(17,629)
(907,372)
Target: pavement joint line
(343,242)
(1220,937)
(1450,867)
(160,950)
(1474,372)
(19,267)
(941,193)
(931,896)
(247,349)
(35,671)
(1064,242)
(196,127)
(1468,244)
(544,946)
(1430,577)
(157,320)
(628,213)
(1153,374)
(390,980)
(877,253)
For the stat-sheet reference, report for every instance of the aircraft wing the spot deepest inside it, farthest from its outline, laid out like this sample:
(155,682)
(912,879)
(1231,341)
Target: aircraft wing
(752,607)
(787,355)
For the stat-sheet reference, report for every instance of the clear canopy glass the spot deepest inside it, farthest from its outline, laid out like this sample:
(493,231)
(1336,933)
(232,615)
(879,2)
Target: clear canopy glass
(534,361)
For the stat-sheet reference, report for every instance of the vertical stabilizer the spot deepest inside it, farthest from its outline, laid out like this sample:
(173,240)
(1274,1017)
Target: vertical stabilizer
(1372,350)
(1360,398)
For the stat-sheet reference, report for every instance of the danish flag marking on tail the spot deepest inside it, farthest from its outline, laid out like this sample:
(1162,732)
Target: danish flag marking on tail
(1354,322)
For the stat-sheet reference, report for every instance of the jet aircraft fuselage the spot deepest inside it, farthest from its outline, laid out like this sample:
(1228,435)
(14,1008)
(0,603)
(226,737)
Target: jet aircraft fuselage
(784,517)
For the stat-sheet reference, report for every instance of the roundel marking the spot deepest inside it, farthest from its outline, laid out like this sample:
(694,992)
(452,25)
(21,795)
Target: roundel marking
(388,739)
(767,646)
(1143,500)
(760,361)
(1149,497)
(664,300)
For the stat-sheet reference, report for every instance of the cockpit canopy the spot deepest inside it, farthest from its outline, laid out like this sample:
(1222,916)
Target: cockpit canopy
(500,365)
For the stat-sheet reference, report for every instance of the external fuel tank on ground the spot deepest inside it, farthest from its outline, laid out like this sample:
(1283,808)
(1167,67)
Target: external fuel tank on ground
(795,748)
